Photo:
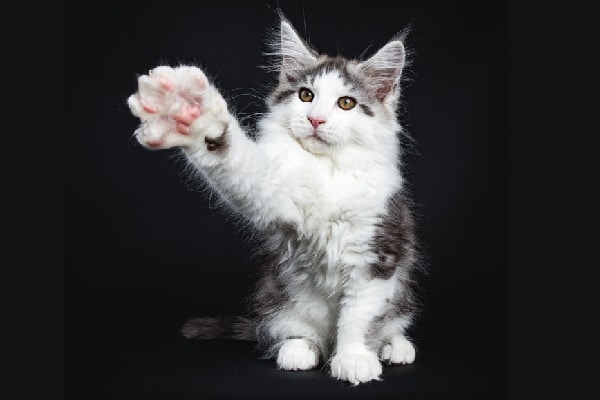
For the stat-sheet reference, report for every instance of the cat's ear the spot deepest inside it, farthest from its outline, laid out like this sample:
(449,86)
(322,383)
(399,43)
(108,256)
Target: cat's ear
(295,55)
(383,70)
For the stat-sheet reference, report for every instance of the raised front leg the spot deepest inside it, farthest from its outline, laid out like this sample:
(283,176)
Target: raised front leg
(178,107)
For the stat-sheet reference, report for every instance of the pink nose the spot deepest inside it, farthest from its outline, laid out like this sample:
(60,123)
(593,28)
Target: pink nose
(315,121)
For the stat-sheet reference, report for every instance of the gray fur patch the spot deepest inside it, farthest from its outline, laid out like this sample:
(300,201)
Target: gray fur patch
(278,97)
(270,294)
(394,241)
(220,143)
(396,245)
(366,109)
(328,65)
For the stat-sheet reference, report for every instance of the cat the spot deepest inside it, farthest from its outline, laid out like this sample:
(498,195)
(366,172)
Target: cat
(321,183)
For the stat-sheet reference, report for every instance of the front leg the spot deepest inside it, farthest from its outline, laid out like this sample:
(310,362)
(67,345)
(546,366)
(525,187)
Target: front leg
(178,107)
(363,299)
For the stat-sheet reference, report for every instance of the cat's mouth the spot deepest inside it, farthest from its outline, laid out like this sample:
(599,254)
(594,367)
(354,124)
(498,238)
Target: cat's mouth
(315,136)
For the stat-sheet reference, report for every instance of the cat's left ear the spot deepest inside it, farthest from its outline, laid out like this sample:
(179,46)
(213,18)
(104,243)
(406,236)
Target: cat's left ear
(383,70)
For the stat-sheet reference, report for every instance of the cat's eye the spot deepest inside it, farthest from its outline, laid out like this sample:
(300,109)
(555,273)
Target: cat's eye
(346,103)
(306,95)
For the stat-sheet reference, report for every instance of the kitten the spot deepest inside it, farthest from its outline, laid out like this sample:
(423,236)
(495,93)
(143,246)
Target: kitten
(322,184)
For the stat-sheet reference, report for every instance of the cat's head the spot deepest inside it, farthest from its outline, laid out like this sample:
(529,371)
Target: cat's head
(328,103)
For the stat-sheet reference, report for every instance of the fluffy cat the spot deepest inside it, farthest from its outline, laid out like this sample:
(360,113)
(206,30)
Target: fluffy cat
(322,186)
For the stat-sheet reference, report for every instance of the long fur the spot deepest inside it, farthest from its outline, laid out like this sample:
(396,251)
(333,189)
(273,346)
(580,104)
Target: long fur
(322,189)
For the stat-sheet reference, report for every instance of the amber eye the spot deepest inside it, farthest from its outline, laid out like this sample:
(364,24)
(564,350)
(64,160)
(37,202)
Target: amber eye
(306,95)
(346,103)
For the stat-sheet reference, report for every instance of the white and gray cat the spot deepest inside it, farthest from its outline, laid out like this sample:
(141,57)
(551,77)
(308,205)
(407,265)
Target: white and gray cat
(322,185)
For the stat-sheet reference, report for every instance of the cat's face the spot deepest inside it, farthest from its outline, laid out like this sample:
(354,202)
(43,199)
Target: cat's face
(327,103)
(324,111)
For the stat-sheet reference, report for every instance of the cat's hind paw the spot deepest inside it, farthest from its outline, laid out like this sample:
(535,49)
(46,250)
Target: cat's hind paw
(399,351)
(298,354)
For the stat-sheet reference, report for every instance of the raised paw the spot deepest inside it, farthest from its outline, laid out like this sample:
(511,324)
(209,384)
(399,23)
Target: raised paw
(399,351)
(168,101)
(298,354)
(356,367)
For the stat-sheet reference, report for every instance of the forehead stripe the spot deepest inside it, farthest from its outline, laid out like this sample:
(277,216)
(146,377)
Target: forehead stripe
(284,94)
(366,109)
(330,64)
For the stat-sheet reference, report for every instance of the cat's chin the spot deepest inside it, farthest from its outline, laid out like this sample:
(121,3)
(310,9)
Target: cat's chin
(314,147)
(315,137)
(314,144)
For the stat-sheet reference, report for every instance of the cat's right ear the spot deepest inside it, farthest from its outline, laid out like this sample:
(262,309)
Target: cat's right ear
(295,54)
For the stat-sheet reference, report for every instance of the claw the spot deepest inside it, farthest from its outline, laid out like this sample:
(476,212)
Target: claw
(183,129)
(154,143)
(148,108)
(166,84)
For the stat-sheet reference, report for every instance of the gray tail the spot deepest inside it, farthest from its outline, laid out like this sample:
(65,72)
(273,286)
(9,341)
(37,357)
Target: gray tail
(238,328)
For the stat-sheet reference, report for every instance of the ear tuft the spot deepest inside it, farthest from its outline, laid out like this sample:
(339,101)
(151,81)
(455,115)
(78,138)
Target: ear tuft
(384,69)
(295,55)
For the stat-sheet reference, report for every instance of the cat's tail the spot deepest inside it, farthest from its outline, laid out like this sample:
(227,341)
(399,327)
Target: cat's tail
(239,328)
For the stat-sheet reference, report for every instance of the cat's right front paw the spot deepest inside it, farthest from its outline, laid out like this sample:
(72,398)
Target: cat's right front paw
(168,101)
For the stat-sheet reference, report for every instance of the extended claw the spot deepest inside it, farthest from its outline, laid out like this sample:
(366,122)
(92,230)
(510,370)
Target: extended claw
(166,83)
(182,128)
(147,108)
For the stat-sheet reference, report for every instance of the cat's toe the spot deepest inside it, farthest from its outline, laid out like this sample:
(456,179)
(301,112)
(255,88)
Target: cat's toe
(192,79)
(386,352)
(297,354)
(400,351)
(164,76)
(151,94)
(356,367)
(136,106)
(151,133)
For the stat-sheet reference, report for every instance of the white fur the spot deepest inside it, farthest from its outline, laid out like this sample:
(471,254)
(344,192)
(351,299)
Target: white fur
(399,351)
(331,194)
(356,365)
(297,354)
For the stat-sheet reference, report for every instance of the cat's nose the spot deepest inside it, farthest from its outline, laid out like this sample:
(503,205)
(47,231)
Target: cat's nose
(315,121)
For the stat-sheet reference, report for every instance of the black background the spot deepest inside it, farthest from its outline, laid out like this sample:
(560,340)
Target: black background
(145,250)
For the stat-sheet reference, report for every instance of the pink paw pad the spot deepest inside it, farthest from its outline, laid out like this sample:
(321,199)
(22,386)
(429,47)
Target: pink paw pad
(185,117)
(188,114)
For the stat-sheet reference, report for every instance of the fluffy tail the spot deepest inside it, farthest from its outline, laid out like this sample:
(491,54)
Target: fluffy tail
(238,328)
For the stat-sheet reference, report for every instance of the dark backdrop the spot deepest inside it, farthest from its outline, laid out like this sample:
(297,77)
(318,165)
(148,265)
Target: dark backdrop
(145,250)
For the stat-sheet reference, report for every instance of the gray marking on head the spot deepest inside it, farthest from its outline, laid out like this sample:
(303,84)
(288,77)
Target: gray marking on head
(328,65)
(278,97)
(366,109)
